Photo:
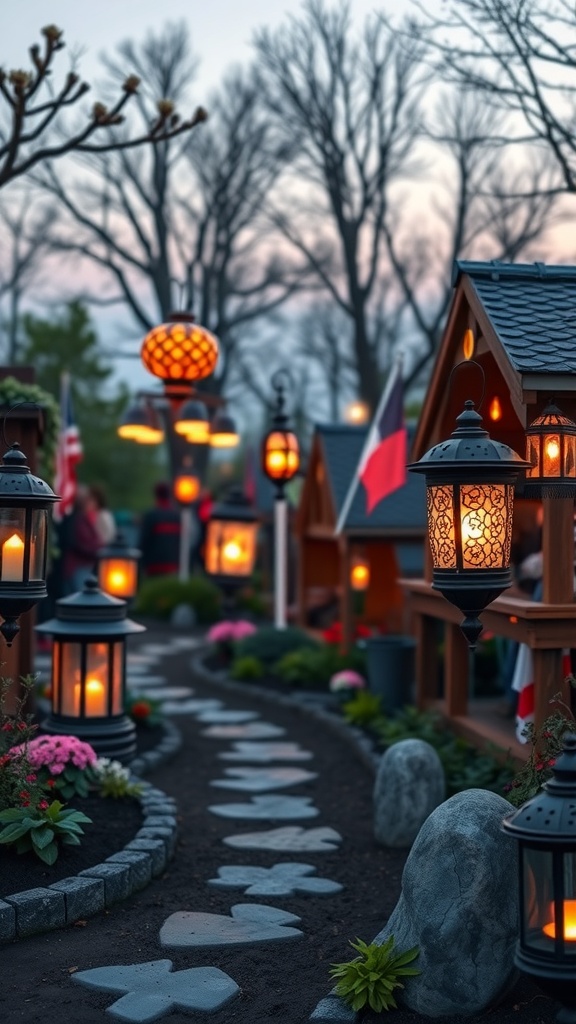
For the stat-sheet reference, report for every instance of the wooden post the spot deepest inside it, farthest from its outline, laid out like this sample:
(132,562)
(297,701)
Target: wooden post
(426,659)
(558,551)
(548,682)
(301,583)
(456,663)
(346,616)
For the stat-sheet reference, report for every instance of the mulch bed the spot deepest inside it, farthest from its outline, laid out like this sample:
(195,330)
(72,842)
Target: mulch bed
(280,981)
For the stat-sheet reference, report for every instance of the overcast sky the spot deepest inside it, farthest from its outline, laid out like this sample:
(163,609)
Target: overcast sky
(221,30)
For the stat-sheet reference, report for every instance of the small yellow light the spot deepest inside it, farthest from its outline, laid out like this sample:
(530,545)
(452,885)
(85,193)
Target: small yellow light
(552,448)
(495,410)
(468,344)
(232,551)
(356,412)
(224,440)
(360,574)
(186,488)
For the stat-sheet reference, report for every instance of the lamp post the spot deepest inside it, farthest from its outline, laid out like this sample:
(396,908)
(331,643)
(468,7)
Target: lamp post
(280,462)
(89,671)
(186,489)
(470,497)
(24,503)
(230,547)
(118,568)
(545,829)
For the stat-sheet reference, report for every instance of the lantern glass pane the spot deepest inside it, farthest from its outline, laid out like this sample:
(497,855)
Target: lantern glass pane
(551,449)
(38,534)
(230,548)
(70,675)
(549,913)
(570,456)
(533,457)
(282,457)
(97,681)
(486,525)
(12,544)
(441,526)
(118,576)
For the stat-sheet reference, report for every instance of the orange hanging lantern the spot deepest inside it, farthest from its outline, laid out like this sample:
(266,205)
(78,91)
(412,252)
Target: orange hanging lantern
(186,488)
(180,350)
(280,448)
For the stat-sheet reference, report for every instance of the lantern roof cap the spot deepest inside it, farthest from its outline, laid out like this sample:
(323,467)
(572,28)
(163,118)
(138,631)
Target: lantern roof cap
(118,547)
(235,507)
(18,483)
(472,446)
(90,613)
(550,816)
(550,417)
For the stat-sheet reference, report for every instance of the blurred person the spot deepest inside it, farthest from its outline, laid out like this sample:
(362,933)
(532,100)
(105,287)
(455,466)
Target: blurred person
(103,519)
(159,539)
(79,542)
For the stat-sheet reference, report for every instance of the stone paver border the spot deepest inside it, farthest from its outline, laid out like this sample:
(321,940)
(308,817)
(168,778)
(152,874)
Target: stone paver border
(127,871)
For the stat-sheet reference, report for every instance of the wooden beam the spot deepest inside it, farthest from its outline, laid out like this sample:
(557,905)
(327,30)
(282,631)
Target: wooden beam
(456,659)
(558,550)
(548,682)
(427,660)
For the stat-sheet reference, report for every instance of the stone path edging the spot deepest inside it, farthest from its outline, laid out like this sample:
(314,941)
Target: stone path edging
(119,876)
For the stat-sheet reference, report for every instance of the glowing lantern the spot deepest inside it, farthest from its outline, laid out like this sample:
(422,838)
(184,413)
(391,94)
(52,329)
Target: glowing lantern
(360,573)
(280,448)
(192,422)
(88,671)
(470,498)
(118,569)
(551,452)
(179,350)
(186,488)
(231,535)
(141,424)
(223,433)
(356,413)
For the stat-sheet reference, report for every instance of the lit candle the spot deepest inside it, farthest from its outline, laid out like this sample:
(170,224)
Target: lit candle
(117,580)
(95,693)
(495,410)
(360,576)
(569,922)
(232,551)
(13,559)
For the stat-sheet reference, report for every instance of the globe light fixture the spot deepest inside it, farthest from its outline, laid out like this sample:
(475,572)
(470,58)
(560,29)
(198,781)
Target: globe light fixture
(356,413)
(470,498)
(359,573)
(118,568)
(192,422)
(186,488)
(89,671)
(545,829)
(551,453)
(179,350)
(223,433)
(25,500)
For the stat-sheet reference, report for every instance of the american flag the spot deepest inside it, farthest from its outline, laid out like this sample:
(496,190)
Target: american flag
(69,453)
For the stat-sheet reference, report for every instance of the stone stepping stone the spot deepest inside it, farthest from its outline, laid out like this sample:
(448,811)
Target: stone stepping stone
(269,808)
(164,692)
(156,650)
(139,668)
(289,839)
(248,923)
(185,707)
(246,751)
(262,780)
(248,731)
(279,880)
(143,682)
(187,643)
(43,662)
(153,990)
(226,717)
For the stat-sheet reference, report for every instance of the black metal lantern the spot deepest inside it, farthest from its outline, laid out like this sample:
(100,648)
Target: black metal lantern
(192,422)
(280,449)
(545,828)
(118,568)
(24,503)
(89,671)
(470,498)
(223,432)
(551,452)
(230,550)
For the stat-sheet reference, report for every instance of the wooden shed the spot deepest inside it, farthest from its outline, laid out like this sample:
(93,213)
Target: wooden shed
(390,539)
(519,323)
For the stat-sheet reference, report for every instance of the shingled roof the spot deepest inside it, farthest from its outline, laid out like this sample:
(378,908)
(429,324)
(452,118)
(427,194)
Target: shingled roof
(405,509)
(532,308)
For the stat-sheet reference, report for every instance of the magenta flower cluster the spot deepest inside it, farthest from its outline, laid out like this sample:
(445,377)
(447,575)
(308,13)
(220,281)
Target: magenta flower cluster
(228,631)
(56,752)
(347,679)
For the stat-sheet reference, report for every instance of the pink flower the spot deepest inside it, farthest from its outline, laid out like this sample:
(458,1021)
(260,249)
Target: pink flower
(347,679)
(243,628)
(226,632)
(55,752)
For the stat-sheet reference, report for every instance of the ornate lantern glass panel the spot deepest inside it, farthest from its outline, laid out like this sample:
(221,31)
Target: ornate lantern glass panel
(230,550)
(180,350)
(551,452)
(545,828)
(118,569)
(88,671)
(24,503)
(470,498)
(186,488)
(192,422)
(359,573)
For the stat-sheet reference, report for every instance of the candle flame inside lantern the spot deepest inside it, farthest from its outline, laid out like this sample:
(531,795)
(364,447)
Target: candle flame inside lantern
(13,559)
(569,922)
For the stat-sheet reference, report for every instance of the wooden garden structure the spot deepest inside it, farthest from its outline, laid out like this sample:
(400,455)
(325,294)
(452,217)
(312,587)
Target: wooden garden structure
(519,323)
(390,540)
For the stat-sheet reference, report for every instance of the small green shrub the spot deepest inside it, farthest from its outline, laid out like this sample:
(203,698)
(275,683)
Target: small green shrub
(269,644)
(364,709)
(247,668)
(370,978)
(314,666)
(40,831)
(159,597)
(546,744)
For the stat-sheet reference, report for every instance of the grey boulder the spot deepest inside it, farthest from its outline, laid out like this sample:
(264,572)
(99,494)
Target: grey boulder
(409,786)
(459,906)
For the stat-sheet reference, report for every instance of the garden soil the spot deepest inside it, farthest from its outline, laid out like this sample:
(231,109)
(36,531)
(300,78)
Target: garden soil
(280,981)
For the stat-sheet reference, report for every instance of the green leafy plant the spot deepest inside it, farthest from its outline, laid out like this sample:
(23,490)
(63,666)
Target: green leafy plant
(247,668)
(314,666)
(270,644)
(370,978)
(364,709)
(13,391)
(159,597)
(42,830)
(546,745)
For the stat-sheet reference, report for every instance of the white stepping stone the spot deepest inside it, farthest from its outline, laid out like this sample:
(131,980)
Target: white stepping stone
(248,922)
(262,780)
(145,661)
(143,682)
(188,707)
(153,989)
(279,880)
(248,731)
(289,839)
(164,692)
(269,808)
(246,751)
(139,668)
(226,717)
(156,650)
(187,643)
